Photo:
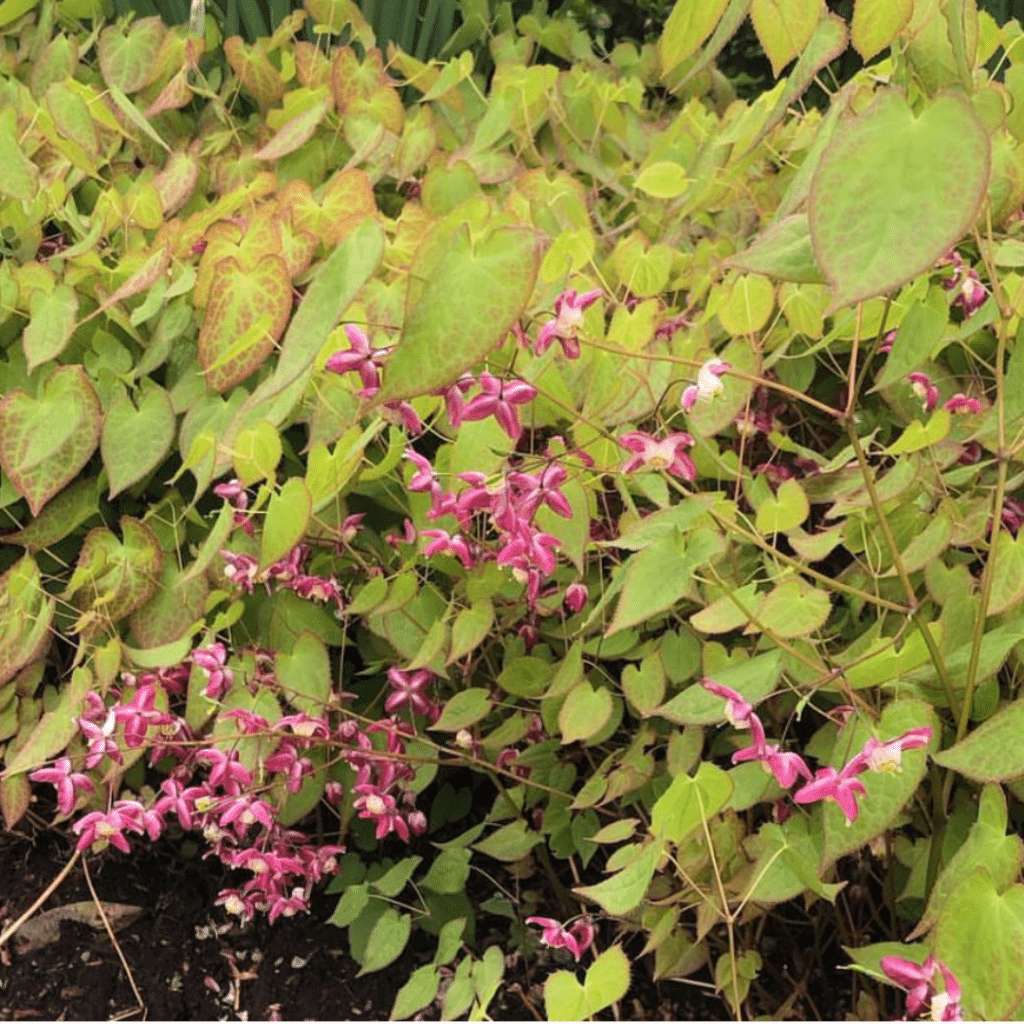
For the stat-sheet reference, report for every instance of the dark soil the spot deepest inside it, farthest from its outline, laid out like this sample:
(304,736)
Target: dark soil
(187,966)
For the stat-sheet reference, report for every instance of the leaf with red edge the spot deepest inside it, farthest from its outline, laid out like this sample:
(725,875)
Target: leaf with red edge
(46,440)
(239,299)
(295,134)
(177,181)
(347,201)
(128,58)
(259,77)
(26,612)
(466,306)
(51,324)
(114,577)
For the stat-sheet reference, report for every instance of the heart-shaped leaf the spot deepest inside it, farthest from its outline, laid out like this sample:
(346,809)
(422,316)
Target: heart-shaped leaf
(45,441)
(51,324)
(240,300)
(466,306)
(134,441)
(26,611)
(891,195)
(584,712)
(128,57)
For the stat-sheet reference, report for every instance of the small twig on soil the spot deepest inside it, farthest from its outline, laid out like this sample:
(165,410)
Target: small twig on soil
(47,893)
(113,938)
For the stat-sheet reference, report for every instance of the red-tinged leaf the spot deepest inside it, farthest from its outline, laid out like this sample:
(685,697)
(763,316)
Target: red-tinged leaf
(145,277)
(296,133)
(128,57)
(114,577)
(15,795)
(51,324)
(891,195)
(259,77)
(347,201)
(46,440)
(469,299)
(26,613)
(72,507)
(20,178)
(784,27)
(134,441)
(239,298)
(172,611)
(177,181)
(876,23)
(56,728)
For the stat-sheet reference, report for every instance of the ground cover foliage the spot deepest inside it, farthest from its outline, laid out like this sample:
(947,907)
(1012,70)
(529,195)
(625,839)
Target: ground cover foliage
(649,453)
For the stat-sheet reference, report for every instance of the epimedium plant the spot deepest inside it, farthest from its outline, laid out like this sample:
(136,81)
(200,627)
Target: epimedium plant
(583,432)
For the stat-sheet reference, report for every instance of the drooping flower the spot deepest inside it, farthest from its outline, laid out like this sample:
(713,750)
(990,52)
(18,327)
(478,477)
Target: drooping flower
(709,383)
(569,307)
(842,786)
(499,399)
(359,358)
(920,982)
(737,710)
(576,939)
(885,757)
(925,390)
(667,454)
(964,404)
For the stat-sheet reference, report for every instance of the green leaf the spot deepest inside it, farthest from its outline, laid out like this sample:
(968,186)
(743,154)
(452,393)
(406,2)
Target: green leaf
(688,801)
(992,752)
(891,195)
(564,998)
(128,56)
(45,441)
(919,332)
(787,862)
(747,305)
(663,180)
(419,991)
(746,967)
(783,251)
(793,608)
(655,578)
(288,515)
(784,27)
(918,435)
(470,298)
(51,324)
(689,24)
(887,793)
(624,890)
(470,629)
(986,846)
(65,513)
(464,709)
(876,23)
(607,980)
(26,613)
(784,510)
(525,677)
(644,686)
(980,937)
(585,712)
(509,843)
(395,879)
(257,451)
(753,679)
(135,441)
(304,674)
(727,612)
(1007,566)
(387,941)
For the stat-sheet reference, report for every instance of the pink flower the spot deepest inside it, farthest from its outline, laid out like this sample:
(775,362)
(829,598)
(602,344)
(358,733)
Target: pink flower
(919,981)
(784,765)
(963,404)
(212,660)
(568,320)
(536,489)
(709,383)
(66,781)
(925,390)
(445,543)
(576,939)
(100,739)
(885,757)
(737,710)
(410,688)
(97,827)
(499,399)
(841,786)
(359,358)
(576,595)
(667,454)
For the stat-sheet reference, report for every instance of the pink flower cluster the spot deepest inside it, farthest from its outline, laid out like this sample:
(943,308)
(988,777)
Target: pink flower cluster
(842,786)
(971,293)
(209,790)
(510,505)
